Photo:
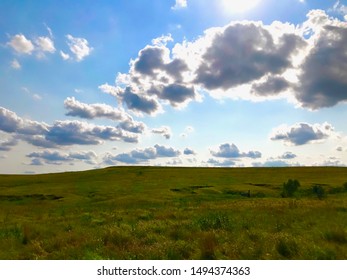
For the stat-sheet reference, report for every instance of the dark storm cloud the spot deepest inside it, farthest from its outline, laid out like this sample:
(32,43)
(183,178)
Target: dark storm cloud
(232,151)
(303,133)
(244,52)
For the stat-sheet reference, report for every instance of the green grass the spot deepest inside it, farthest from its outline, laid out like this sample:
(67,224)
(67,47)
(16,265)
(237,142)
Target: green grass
(174,213)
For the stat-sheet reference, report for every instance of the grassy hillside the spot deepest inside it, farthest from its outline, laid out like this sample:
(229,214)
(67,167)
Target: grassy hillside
(174,213)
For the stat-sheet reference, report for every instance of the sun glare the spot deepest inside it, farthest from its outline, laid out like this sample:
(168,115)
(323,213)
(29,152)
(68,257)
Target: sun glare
(238,6)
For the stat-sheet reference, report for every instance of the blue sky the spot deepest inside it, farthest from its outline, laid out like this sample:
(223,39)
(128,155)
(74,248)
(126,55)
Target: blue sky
(90,84)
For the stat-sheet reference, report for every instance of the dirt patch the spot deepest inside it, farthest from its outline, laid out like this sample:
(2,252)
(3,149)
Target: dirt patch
(30,196)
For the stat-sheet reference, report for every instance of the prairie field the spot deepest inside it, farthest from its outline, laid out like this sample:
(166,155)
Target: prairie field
(175,213)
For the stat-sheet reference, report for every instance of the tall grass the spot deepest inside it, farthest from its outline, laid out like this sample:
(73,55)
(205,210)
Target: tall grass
(152,213)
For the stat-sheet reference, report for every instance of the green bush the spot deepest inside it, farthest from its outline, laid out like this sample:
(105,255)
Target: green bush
(319,191)
(290,188)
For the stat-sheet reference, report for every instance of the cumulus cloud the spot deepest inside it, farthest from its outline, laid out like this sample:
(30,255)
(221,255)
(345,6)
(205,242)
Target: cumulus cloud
(162,40)
(63,133)
(232,151)
(176,94)
(163,151)
(272,163)
(302,133)
(139,103)
(272,86)
(64,56)
(21,44)
(11,123)
(246,59)
(330,162)
(323,79)
(45,44)
(243,52)
(92,111)
(6,145)
(82,133)
(163,130)
(189,151)
(56,157)
(154,78)
(287,155)
(179,4)
(142,155)
(79,47)
(223,163)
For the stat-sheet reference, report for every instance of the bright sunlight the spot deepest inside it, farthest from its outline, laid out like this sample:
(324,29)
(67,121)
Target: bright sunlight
(238,6)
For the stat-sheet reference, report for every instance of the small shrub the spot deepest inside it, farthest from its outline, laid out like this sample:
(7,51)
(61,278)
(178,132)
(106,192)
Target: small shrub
(287,248)
(337,235)
(319,191)
(290,188)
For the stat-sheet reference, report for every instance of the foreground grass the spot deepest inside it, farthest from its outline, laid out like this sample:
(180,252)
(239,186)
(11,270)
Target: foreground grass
(173,213)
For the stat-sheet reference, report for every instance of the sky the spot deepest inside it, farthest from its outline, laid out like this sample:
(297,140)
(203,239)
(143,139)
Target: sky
(224,83)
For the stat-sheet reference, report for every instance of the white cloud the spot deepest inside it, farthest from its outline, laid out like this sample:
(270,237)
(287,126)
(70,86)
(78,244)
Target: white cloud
(302,133)
(7,144)
(179,4)
(162,40)
(340,8)
(79,47)
(64,56)
(232,151)
(21,44)
(91,111)
(188,130)
(142,155)
(245,60)
(56,157)
(189,151)
(34,96)
(62,133)
(15,64)
(163,130)
(45,44)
